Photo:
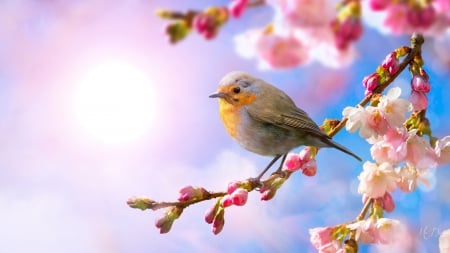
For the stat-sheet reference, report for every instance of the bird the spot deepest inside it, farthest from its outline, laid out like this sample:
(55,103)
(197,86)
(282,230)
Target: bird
(265,120)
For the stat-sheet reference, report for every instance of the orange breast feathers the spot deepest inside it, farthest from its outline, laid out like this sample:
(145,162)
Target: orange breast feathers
(230,115)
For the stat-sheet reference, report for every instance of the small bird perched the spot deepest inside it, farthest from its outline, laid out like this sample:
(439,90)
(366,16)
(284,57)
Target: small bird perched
(264,120)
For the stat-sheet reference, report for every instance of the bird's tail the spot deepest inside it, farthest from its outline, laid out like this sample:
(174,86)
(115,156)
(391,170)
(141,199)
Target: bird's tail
(334,144)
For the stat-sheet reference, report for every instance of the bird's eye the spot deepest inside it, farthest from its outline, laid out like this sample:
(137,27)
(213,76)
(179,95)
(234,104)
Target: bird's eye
(236,90)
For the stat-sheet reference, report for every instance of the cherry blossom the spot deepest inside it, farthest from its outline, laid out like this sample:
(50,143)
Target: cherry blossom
(444,242)
(442,150)
(377,179)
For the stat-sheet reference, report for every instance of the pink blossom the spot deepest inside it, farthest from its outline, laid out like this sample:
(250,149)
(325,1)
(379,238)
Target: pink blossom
(271,49)
(365,231)
(282,51)
(391,148)
(444,241)
(377,179)
(394,108)
(355,116)
(395,19)
(420,84)
(391,63)
(346,32)
(387,229)
(381,231)
(442,150)
(321,236)
(421,17)
(239,197)
(378,5)
(237,7)
(403,17)
(407,178)
(418,100)
(376,123)
(304,13)
(420,154)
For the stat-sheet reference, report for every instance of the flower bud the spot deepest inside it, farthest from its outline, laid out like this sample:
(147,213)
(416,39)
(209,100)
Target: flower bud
(371,82)
(191,193)
(165,223)
(226,201)
(219,221)
(387,202)
(418,100)
(293,162)
(177,31)
(142,203)
(391,63)
(239,197)
(420,84)
(310,168)
(211,213)
(233,185)
(237,8)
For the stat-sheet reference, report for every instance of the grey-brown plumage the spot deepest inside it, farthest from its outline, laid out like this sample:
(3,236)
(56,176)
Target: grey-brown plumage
(264,120)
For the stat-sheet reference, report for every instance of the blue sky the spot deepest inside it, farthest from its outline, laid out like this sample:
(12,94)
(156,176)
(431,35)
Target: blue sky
(64,184)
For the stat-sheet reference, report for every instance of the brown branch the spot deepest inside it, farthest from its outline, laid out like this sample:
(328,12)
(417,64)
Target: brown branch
(184,204)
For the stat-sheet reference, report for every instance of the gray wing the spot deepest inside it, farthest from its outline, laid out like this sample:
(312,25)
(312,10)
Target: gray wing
(281,111)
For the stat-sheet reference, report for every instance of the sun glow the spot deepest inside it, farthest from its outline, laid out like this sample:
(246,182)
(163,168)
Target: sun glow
(114,102)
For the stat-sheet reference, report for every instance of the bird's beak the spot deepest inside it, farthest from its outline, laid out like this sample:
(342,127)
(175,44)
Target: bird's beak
(218,95)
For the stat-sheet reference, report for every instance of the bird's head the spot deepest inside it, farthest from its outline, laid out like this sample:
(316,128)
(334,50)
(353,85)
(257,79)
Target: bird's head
(237,88)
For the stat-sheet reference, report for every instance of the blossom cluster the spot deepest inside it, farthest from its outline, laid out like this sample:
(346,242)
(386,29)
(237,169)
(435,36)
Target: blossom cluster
(405,17)
(403,156)
(207,23)
(303,31)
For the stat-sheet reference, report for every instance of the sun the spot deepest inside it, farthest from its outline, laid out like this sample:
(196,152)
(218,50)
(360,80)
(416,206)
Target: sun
(115,102)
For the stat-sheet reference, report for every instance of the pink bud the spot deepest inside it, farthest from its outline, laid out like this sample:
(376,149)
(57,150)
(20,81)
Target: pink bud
(421,84)
(293,162)
(239,197)
(391,63)
(233,185)
(237,7)
(219,221)
(388,203)
(164,224)
(268,194)
(211,213)
(226,201)
(200,22)
(371,82)
(190,192)
(206,25)
(346,31)
(418,100)
(310,168)
(421,17)
(378,5)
